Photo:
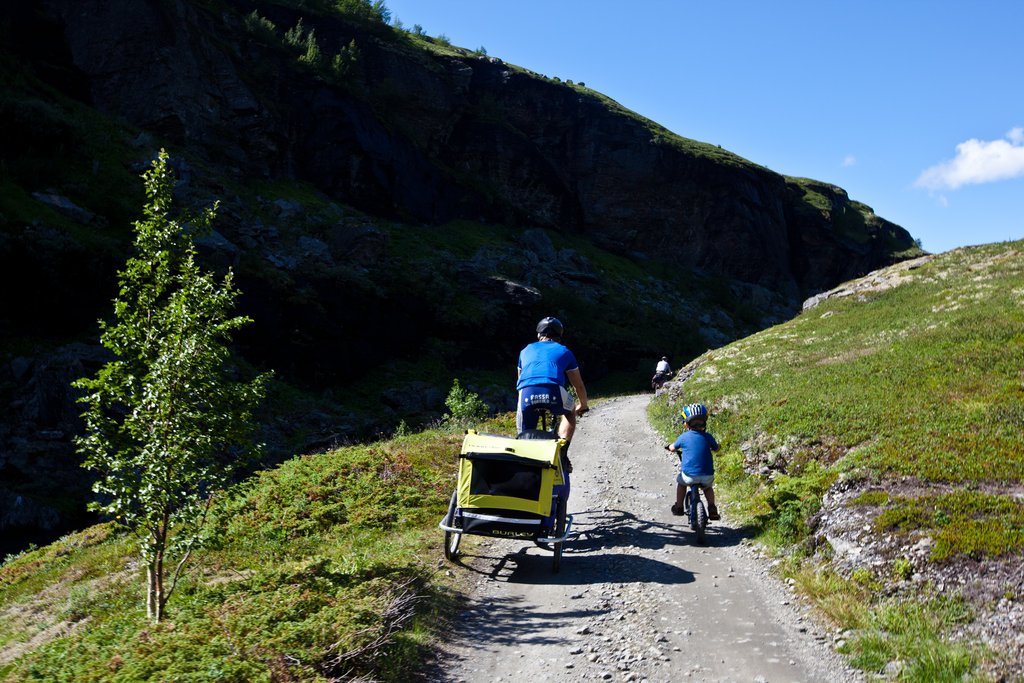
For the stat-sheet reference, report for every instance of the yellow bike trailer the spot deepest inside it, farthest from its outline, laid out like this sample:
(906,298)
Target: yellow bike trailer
(509,488)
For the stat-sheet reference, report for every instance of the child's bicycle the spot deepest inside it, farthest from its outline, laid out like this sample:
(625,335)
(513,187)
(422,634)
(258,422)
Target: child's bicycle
(693,507)
(694,510)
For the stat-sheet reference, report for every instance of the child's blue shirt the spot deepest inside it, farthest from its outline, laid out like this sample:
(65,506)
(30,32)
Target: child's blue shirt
(695,449)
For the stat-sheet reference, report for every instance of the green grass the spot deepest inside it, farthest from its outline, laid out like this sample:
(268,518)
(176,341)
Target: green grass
(918,383)
(963,523)
(322,567)
(880,631)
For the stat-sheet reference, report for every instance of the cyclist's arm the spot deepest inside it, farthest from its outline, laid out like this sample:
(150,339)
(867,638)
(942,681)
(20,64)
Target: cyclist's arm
(576,380)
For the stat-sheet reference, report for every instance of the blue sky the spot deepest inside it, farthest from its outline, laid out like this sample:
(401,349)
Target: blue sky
(914,107)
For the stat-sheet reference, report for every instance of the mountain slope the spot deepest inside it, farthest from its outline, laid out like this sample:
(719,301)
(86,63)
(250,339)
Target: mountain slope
(877,436)
(832,426)
(399,213)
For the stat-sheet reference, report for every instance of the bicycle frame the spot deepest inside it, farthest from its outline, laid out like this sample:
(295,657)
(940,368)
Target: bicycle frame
(696,513)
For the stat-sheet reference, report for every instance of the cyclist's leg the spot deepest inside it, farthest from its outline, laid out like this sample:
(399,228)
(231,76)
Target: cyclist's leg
(704,481)
(567,410)
(567,426)
(526,418)
(680,503)
(709,493)
(532,401)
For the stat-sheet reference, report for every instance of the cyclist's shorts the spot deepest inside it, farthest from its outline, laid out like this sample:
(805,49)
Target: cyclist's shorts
(702,479)
(545,397)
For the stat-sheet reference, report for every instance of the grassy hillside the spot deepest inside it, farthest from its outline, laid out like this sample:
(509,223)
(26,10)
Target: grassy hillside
(896,406)
(322,568)
(885,418)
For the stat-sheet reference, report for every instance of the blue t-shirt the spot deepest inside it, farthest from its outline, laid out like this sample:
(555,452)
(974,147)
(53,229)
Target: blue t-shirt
(545,362)
(695,449)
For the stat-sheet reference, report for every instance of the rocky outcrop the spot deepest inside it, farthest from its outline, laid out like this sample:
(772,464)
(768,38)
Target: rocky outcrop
(42,491)
(435,137)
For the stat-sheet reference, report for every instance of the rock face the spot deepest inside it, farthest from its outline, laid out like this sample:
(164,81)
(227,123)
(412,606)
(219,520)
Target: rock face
(433,137)
(40,485)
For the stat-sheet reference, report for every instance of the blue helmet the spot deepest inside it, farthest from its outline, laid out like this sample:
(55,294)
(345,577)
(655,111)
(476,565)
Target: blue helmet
(694,411)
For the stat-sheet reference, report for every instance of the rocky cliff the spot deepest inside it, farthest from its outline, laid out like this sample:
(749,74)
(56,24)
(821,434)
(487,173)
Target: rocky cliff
(436,135)
(399,211)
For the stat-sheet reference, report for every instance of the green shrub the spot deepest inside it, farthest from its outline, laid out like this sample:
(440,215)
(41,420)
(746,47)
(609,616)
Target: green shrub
(464,407)
(261,27)
(312,54)
(864,578)
(902,568)
(345,64)
(295,36)
(369,11)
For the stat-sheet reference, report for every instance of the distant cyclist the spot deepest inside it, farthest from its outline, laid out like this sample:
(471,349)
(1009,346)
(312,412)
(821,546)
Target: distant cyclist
(662,373)
(544,370)
(696,465)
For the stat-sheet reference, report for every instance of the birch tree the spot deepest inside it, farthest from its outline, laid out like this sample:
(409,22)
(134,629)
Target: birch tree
(166,422)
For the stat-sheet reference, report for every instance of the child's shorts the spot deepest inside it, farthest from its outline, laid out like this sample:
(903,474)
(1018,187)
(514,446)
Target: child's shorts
(702,479)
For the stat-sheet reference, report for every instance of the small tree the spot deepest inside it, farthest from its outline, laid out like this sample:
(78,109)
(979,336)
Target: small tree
(312,54)
(465,407)
(345,64)
(166,426)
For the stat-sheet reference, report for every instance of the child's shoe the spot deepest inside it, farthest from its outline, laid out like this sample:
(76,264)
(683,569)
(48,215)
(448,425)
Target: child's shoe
(713,512)
(676,510)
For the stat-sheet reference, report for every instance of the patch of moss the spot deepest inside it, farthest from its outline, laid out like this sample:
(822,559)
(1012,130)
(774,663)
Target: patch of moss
(963,523)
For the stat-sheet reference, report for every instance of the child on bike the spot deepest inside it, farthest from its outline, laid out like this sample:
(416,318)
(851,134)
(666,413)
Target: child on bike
(696,465)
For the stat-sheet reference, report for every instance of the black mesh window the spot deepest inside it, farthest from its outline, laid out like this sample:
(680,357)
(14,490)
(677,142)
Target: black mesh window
(502,478)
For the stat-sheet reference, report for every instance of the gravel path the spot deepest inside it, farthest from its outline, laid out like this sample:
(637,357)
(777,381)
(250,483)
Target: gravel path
(637,599)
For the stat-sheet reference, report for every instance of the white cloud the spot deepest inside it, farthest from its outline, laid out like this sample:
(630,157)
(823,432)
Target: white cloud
(849,160)
(977,162)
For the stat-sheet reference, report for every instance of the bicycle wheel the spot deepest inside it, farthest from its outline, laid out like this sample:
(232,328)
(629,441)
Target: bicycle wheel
(451,538)
(702,521)
(556,563)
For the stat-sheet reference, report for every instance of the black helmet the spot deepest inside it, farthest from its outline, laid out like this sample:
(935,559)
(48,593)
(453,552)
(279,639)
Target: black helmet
(550,327)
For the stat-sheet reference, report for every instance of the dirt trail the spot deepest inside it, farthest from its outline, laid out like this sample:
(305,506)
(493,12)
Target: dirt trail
(637,599)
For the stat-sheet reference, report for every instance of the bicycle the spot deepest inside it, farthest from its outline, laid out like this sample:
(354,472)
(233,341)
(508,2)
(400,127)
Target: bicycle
(659,380)
(696,513)
(561,520)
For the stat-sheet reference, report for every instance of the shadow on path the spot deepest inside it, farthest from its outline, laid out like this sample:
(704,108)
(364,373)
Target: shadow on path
(503,621)
(603,550)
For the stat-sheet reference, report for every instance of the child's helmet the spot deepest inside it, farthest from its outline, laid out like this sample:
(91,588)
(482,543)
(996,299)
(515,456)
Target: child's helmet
(694,411)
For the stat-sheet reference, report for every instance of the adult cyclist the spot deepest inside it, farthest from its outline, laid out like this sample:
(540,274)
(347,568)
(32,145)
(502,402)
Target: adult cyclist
(544,370)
